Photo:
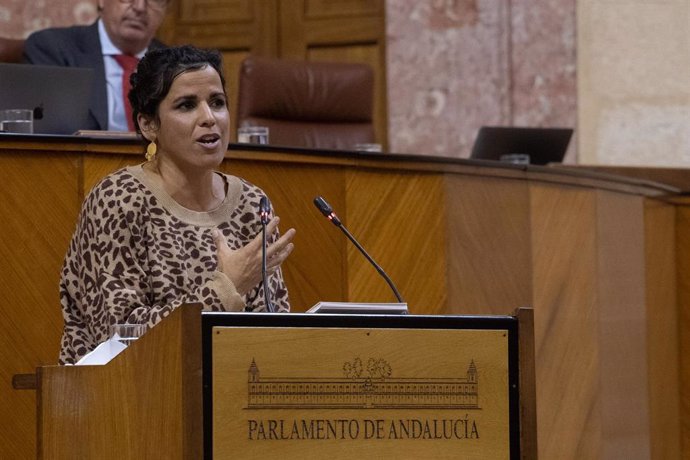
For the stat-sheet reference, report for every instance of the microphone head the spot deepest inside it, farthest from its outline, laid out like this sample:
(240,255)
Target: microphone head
(326,210)
(264,209)
(323,206)
(264,204)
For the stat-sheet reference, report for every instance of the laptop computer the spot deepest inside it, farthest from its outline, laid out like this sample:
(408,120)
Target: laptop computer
(543,145)
(59,96)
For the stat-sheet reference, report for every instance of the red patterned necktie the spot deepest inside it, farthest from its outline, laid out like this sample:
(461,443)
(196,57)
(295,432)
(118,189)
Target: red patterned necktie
(128,64)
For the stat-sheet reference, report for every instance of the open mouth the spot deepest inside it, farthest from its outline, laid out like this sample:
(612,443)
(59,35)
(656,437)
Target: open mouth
(208,139)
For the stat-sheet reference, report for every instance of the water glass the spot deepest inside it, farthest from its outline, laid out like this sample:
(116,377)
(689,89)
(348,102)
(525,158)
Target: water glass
(368,148)
(515,158)
(253,135)
(17,121)
(127,333)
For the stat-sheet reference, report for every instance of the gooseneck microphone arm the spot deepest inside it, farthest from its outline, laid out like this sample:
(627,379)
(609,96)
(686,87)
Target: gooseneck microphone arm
(264,210)
(327,211)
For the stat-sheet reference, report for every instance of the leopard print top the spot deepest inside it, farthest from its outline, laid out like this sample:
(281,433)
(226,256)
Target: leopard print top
(137,254)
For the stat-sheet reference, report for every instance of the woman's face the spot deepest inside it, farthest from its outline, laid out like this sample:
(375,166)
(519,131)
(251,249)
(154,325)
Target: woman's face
(193,127)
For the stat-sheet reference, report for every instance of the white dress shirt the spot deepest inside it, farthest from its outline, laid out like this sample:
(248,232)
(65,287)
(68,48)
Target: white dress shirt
(117,120)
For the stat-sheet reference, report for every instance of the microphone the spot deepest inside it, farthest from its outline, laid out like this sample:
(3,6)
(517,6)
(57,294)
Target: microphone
(327,211)
(264,210)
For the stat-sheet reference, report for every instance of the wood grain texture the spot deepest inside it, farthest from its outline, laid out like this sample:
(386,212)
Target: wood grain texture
(107,412)
(316,269)
(662,330)
(36,205)
(242,25)
(489,245)
(394,219)
(412,355)
(622,343)
(563,222)
(683,264)
(528,385)
(457,237)
(96,167)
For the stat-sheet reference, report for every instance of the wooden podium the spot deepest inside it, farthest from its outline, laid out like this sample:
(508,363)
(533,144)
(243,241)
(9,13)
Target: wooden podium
(300,386)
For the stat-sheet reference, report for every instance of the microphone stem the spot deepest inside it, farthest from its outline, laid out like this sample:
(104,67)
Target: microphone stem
(378,268)
(267,296)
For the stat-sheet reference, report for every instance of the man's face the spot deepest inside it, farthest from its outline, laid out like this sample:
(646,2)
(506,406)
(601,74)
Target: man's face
(131,24)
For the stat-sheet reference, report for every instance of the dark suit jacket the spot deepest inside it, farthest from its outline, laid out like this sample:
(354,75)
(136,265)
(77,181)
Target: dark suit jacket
(76,46)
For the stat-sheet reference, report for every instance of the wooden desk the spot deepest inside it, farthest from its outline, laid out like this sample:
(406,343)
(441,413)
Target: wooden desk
(594,255)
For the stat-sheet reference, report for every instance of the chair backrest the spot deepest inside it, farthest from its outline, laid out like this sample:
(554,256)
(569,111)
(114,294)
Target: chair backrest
(308,104)
(11,49)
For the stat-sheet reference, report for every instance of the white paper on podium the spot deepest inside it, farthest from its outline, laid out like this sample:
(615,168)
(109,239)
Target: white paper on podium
(360,308)
(103,353)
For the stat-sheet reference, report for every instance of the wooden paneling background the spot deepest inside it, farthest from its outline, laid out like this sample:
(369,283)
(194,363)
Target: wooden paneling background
(599,258)
(311,30)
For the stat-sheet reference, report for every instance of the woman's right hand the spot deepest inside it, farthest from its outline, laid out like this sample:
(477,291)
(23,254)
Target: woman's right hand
(243,265)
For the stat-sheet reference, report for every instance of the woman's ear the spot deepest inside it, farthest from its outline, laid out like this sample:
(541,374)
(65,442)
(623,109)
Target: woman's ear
(148,127)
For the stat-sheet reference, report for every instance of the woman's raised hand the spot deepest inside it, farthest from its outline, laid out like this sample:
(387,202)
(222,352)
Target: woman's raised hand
(243,265)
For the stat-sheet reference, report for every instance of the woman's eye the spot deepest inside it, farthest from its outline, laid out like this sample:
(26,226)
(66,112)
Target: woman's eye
(218,103)
(186,105)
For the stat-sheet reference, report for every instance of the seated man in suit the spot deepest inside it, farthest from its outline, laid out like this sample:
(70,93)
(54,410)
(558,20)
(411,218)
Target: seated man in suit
(111,46)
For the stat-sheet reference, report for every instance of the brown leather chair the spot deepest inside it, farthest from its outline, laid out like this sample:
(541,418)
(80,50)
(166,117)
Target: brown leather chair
(11,49)
(308,104)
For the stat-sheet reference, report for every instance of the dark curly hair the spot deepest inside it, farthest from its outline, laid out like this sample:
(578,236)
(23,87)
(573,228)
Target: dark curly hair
(158,68)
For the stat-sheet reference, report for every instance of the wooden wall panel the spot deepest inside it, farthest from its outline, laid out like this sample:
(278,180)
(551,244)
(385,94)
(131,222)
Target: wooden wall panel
(159,376)
(624,388)
(96,167)
(395,220)
(683,265)
(488,235)
(315,271)
(455,237)
(319,9)
(248,25)
(567,358)
(662,330)
(38,206)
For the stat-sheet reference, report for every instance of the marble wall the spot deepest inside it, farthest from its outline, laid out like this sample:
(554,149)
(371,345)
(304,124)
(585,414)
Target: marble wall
(455,65)
(18,18)
(634,80)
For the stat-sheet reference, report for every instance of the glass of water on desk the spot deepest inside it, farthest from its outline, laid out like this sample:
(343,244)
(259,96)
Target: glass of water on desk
(127,333)
(252,135)
(17,121)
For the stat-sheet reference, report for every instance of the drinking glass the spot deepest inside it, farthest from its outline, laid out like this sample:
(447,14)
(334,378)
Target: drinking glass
(127,333)
(17,121)
(368,147)
(516,158)
(253,135)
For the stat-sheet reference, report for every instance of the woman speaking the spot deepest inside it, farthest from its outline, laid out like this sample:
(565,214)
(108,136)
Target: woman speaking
(172,230)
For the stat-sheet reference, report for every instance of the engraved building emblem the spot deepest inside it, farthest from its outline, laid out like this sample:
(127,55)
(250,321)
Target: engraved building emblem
(363,387)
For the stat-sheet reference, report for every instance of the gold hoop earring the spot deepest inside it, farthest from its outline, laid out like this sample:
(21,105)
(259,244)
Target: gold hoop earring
(151,150)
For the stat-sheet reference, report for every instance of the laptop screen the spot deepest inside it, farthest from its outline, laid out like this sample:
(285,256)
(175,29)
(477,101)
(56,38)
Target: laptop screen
(543,145)
(59,96)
